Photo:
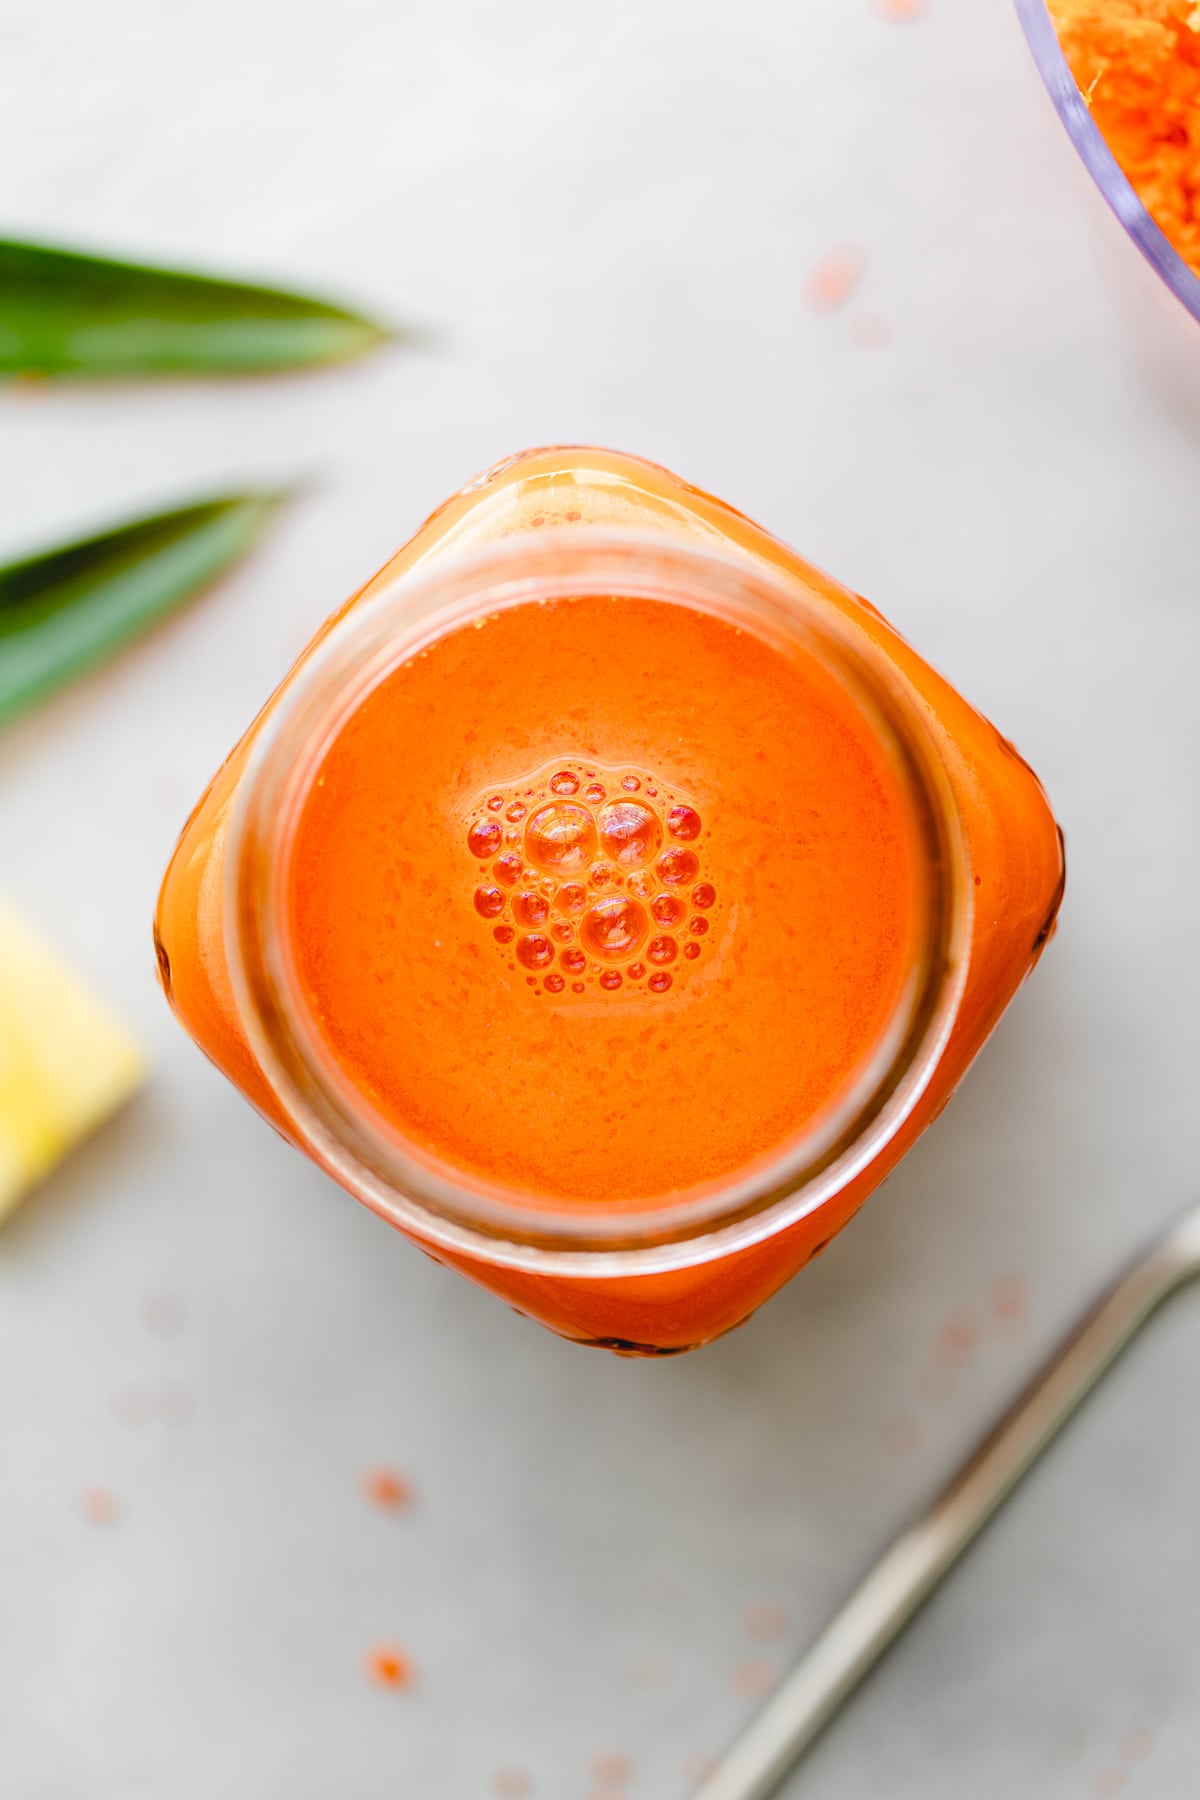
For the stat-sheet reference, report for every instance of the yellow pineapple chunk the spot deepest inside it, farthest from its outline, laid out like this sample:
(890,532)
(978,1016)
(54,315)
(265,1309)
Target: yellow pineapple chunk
(65,1062)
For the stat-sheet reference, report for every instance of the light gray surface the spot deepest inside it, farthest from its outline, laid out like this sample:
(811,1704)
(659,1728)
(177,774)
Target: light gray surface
(608,216)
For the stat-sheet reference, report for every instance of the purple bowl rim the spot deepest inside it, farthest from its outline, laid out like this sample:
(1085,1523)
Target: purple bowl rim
(1101,164)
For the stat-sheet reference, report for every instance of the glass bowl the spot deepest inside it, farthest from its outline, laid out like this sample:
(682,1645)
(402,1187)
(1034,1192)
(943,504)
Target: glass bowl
(1114,185)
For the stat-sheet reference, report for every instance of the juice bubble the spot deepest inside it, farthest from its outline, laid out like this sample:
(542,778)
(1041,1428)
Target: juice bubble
(614,928)
(678,866)
(683,822)
(560,839)
(530,909)
(535,952)
(483,839)
(630,833)
(668,909)
(585,870)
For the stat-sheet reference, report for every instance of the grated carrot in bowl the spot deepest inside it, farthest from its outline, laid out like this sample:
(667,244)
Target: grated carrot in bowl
(1137,64)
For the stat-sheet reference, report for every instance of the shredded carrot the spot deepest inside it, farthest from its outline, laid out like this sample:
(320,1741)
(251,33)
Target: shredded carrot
(754,1679)
(613,1768)
(958,1339)
(390,1667)
(512,1783)
(1137,63)
(386,1489)
(764,1621)
(833,279)
(99,1506)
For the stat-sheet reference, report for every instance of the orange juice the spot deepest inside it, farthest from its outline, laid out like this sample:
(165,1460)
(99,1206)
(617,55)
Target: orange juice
(608,899)
(592,938)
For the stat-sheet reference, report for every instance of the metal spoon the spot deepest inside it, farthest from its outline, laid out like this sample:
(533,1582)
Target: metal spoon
(899,1584)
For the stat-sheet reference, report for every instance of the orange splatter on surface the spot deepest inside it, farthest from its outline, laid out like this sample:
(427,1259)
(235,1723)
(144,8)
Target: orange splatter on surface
(163,1314)
(613,1768)
(1137,64)
(754,1679)
(387,1489)
(901,12)
(1010,1305)
(957,1341)
(99,1506)
(764,1621)
(870,331)
(901,1436)
(833,279)
(699,1767)
(1136,1744)
(1109,1781)
(389,1666)
(511,1784)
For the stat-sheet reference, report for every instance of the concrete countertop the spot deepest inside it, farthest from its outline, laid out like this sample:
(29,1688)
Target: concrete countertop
(607,217)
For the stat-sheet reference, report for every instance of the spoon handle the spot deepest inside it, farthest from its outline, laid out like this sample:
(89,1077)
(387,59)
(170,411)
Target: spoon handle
(907,1573)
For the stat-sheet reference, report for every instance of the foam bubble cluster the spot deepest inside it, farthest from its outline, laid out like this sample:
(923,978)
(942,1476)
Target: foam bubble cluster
(593,884)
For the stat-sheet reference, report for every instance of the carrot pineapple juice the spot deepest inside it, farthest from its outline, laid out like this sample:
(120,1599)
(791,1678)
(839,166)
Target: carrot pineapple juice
(608,899)
(575,973)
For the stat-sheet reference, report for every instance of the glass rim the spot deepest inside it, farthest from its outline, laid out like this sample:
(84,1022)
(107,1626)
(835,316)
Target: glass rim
(1115,187)
(406,1183)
